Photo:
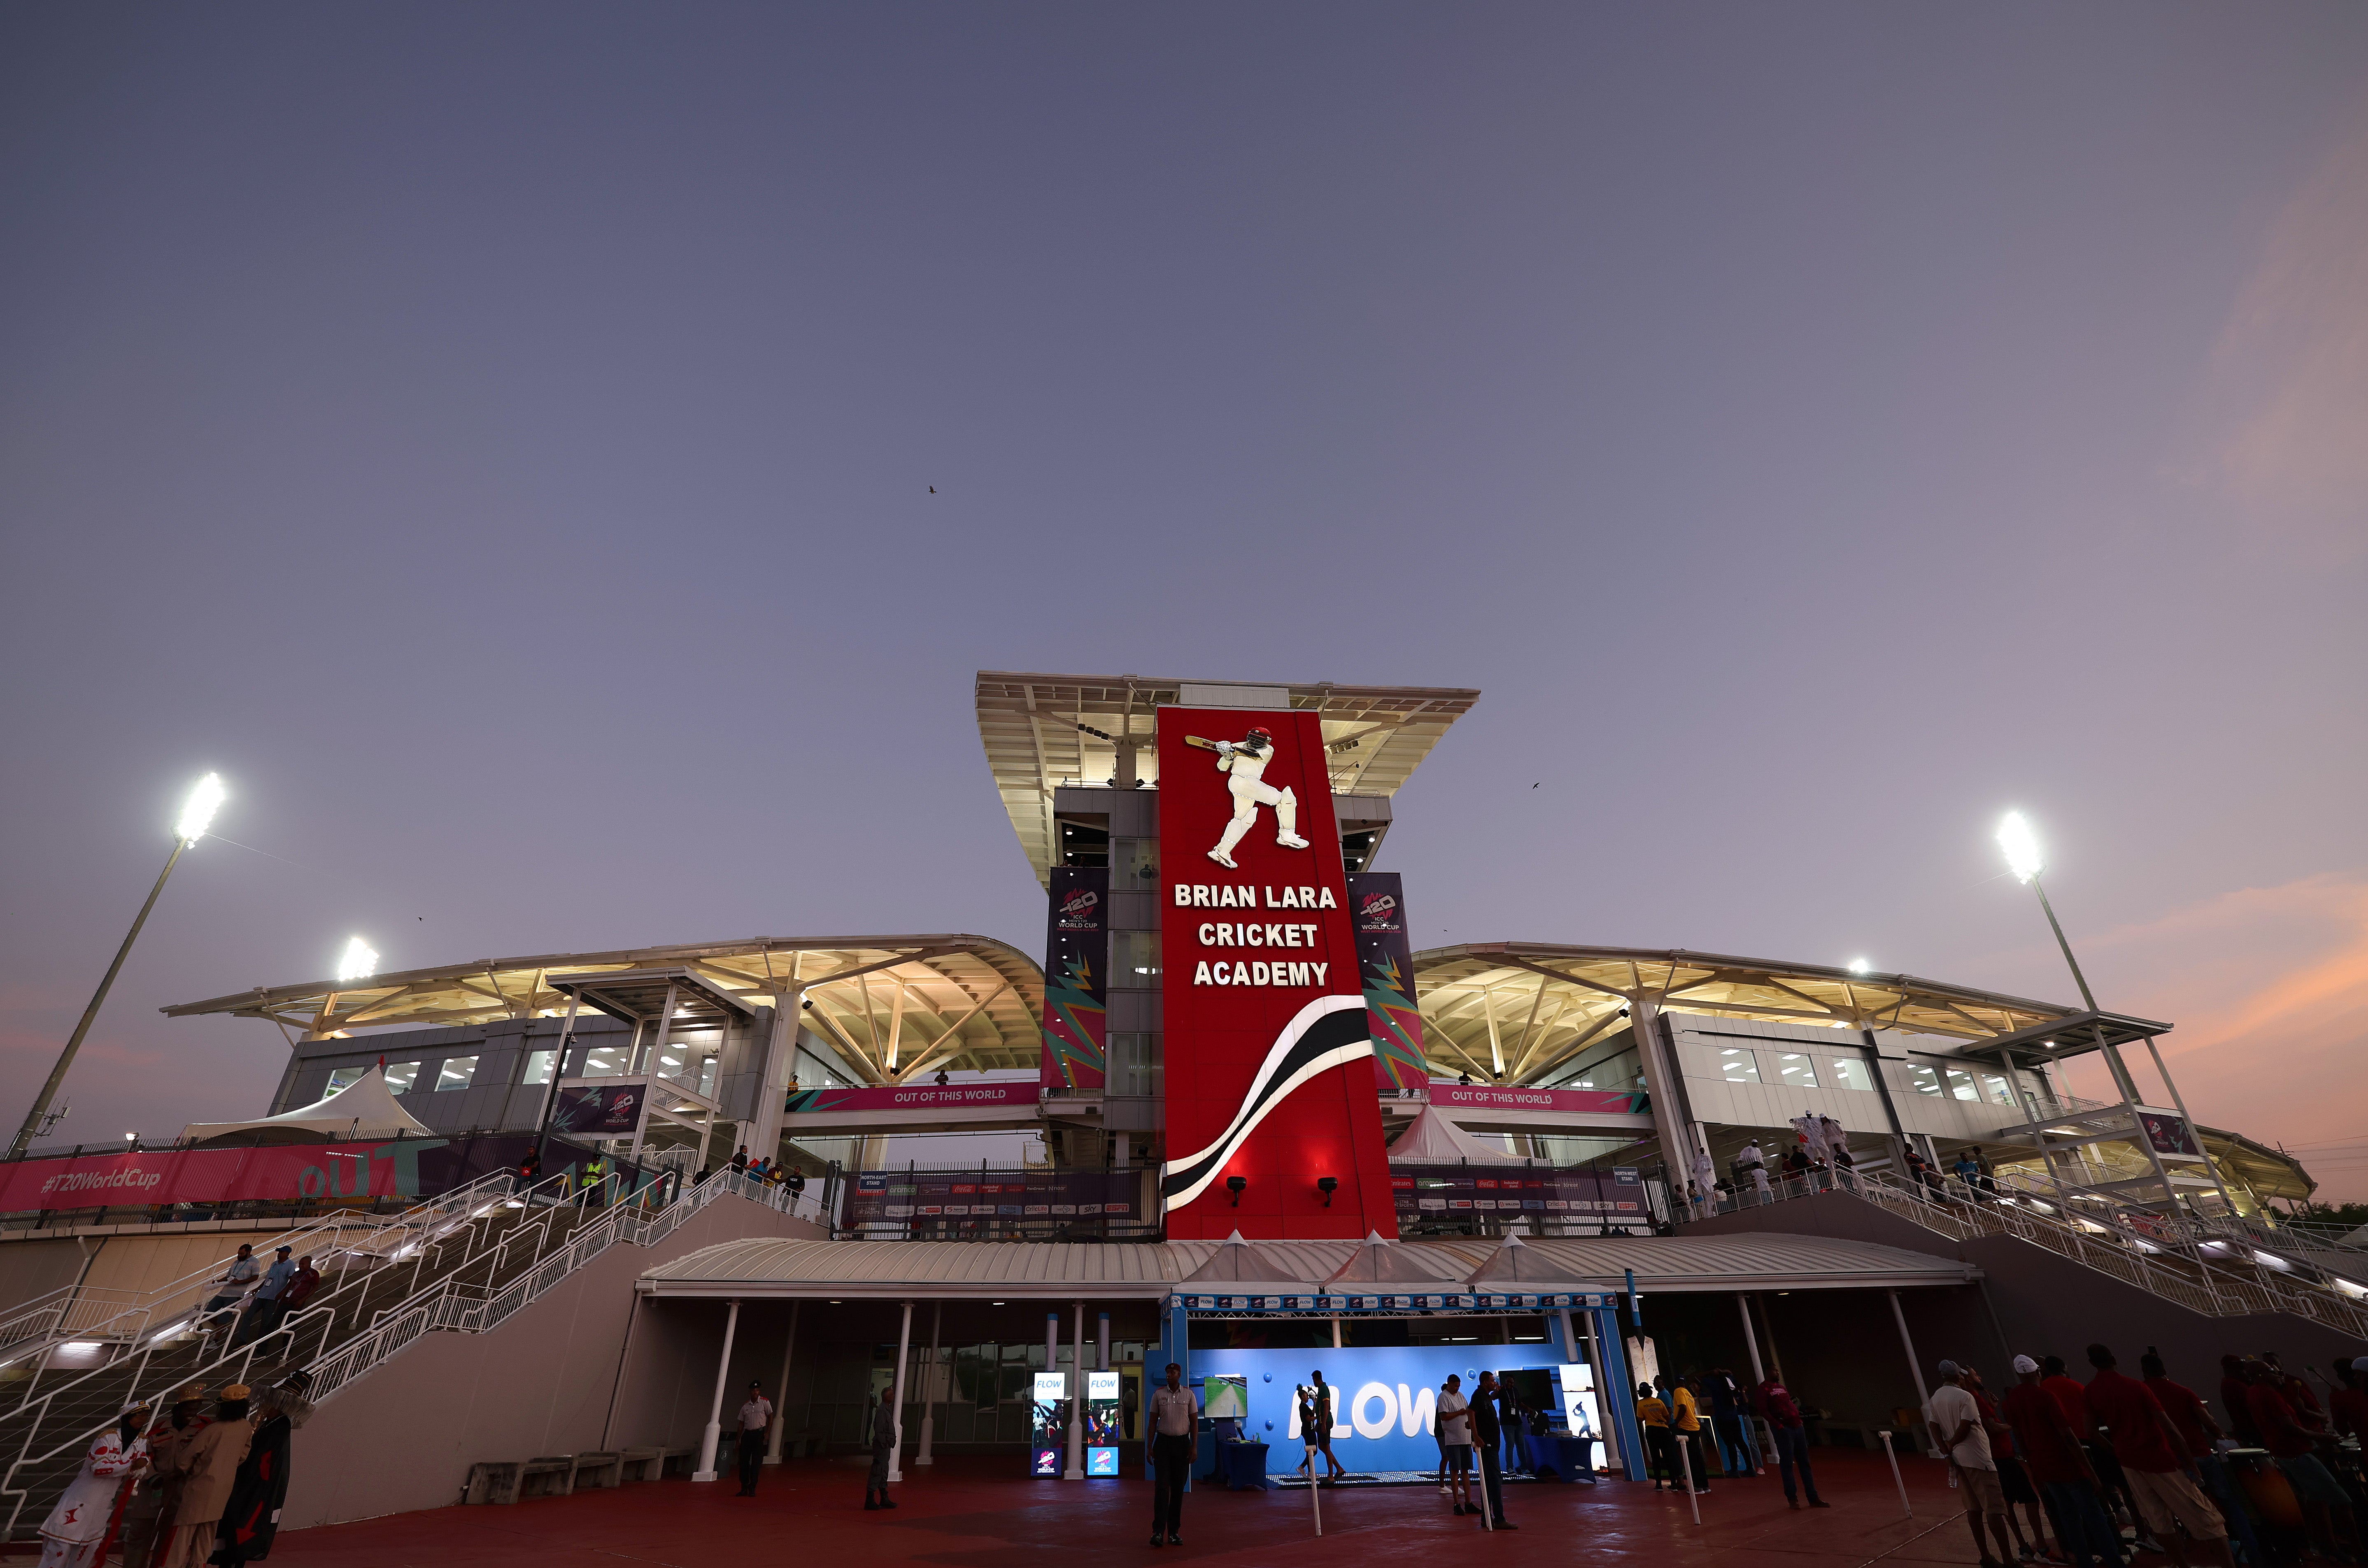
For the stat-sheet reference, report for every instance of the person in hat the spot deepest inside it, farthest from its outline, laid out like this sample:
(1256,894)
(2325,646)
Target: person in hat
(755,1419)
(75,1535)
(207,1465)
(154,1493)
(1954,1417)
(251,1519)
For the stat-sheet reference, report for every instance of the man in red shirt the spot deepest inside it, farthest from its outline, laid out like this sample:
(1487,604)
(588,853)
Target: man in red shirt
(2155,1462)
(2073,1396)
(2052,1452)
(1784,1418)
(2014,1476)
(2324,1503)
(2199,1432)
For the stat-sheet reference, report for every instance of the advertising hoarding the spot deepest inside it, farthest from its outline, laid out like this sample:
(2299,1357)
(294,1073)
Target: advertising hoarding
(913,1096)
(1383,1398)
(1436,1193)
(927,1200)
(1451,1096)
(1076,979)
(1268,1051)
(1048,1415)
(604,1107)
(1102,1433)
(1386,969)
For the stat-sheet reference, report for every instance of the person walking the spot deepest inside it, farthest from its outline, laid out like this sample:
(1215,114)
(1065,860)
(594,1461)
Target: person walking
(1660,1454)
(755,1419)
(1730,1424)
(1514,1418)
(251,1520)
(1174,1422)
(2201,1433)
(2014,1477)
(206,1465)
(1955,1420)
(1753,1164)
(883,1455)
(1782,1414)
(2155,1462)
(530,1171)
(300,1287)
(2058,1464)
(264,1311)
(1454,1423)
(1333,1468)
(74,1534)
(1485,1437)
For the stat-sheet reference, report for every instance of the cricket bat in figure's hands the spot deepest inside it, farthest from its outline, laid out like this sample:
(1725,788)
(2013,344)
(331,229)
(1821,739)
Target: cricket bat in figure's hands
(1197,741)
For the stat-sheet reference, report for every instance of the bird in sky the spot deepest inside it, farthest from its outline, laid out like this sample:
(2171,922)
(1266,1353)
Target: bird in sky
(933,490)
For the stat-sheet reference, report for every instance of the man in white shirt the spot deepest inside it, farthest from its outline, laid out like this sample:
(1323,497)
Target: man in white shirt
(237,1282)
(1752,1163)
(1174,1420)
(1955,1418)
(755,1419)
(1455,1436)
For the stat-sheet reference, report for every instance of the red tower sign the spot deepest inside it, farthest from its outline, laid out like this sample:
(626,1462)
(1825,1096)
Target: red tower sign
(1270,1078)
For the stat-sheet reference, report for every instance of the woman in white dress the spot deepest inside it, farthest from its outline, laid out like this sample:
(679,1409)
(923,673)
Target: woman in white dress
(75,1535)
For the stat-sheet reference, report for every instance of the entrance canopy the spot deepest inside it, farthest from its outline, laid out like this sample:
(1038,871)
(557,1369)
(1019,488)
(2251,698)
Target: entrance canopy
(1065,1271)
(1431,1136)
(363,1109)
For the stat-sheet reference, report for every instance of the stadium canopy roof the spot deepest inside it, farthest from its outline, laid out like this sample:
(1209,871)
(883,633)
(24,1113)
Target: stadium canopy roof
(784,1267)
(1525,1008)
(896,1007)
(1042,731)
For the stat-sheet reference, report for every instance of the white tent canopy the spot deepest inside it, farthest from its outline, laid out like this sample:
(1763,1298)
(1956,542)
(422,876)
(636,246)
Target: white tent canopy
(1237,1263)
(1377,1262)
(363,1109)
(1431,1136)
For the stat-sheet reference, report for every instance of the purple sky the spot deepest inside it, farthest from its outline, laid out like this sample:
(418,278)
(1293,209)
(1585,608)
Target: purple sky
(498,440)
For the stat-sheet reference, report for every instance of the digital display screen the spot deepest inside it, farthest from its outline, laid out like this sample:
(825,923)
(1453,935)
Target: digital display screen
(1046,1462)
(1102,1434)
(1048,1415)
(1101,1462)
(1578,1407)
(1226,1397)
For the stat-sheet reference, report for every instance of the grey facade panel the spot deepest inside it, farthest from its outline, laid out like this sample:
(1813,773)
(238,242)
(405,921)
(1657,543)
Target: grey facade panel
(1132,1113)
(1134,912)
(1134,1012)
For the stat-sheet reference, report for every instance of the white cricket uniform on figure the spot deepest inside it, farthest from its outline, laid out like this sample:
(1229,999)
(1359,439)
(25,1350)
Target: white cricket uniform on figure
(1244,770)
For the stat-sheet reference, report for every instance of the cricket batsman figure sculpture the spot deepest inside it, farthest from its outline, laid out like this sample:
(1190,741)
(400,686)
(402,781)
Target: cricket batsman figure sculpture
(1243,761)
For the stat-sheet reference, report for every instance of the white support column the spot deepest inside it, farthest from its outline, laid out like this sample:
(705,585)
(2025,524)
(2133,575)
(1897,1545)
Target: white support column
(1661,1072)
(1923,1395)
(707,1439)
(929,1388)
(781,1390)
(1569,1336)
(764,1124)
(903,1353)
(1076,1470)
(1751,1339)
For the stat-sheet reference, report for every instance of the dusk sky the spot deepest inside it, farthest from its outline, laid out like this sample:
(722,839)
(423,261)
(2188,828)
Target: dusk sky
(500,441)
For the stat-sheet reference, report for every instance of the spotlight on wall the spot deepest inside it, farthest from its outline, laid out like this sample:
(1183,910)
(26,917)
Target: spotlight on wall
(1238,1186)
(1327,1186)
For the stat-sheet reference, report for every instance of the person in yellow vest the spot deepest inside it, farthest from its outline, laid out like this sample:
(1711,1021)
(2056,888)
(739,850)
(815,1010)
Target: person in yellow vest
(1685,1429)
(1660,1453)
(595,1173)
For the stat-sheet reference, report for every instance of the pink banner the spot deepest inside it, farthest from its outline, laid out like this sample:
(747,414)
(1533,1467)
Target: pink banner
(913,1097)
(1566,1102)
(284,1172)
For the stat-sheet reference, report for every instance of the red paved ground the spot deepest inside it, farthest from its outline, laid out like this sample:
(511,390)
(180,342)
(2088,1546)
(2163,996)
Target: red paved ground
(971,1513)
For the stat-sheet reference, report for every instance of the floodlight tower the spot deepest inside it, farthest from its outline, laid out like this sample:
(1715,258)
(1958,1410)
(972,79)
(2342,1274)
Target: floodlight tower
(196,817)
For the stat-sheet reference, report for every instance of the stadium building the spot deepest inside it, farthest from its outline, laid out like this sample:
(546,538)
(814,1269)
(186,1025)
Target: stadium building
(1257,1120)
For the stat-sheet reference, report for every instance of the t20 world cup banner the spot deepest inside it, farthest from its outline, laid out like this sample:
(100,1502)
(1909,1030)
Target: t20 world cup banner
(1385,966)
(1076,980)
(1269,1079)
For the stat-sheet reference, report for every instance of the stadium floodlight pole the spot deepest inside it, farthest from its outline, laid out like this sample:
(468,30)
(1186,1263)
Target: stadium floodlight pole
(2024,859)
(196,817)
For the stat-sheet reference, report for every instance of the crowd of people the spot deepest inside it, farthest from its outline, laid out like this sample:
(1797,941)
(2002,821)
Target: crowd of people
(1680,1432)
(201,1482)
(251,1301)
(2062,1471)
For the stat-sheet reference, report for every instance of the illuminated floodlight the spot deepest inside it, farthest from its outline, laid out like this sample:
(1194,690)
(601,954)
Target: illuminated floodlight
(1861,966)
(198,815)
(359,960)
(2021,847)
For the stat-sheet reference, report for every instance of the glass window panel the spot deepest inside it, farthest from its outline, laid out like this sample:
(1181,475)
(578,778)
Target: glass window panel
(1849,1074)
(604,1061)
(399,1075)
(456,1073)
(1738,1066)
(1796,1070)
(1134,959)
(1961,1083)
(538,1066)
(1926,1080)
(2000,1090)
(345,1077)
(1134,863)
